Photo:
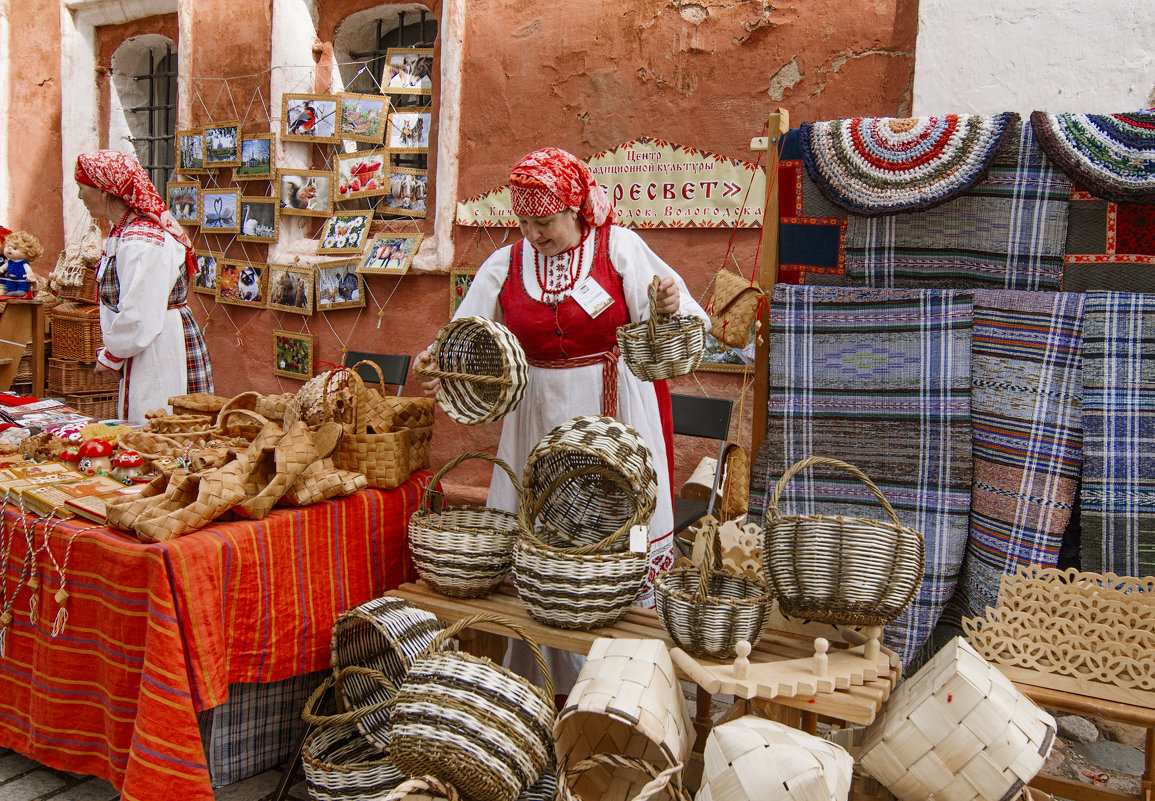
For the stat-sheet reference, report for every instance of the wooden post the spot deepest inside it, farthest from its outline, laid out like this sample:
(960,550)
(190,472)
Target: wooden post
(777,127)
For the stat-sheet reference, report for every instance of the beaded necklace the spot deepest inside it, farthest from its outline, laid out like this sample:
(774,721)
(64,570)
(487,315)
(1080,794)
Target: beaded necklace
(555,278)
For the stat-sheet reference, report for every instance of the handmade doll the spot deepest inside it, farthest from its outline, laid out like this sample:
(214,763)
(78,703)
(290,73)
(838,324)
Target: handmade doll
(20,248)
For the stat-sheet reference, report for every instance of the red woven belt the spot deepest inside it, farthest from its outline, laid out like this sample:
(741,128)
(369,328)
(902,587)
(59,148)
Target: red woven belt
(609,362)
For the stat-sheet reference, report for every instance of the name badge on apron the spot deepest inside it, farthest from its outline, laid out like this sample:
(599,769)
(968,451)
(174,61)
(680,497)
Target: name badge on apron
(591,297)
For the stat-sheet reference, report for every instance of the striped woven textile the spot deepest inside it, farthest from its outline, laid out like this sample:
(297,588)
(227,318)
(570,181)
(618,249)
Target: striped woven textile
(1008,232)
(1110,246)
(1117,513)
(157,632)
(879,379)
(1026,401)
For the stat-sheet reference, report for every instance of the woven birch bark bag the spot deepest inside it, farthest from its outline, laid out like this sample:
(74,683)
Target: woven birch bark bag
(663,345)
(472,723)
(463,551)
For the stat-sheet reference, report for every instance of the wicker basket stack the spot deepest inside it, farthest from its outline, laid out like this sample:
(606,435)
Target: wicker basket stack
(76,339)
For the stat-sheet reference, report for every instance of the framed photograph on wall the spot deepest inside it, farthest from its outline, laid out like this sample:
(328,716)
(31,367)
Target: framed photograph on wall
(258,219)
(219,209)
(205,280)
(308,192)
(363,117)
(718,357)
(241,283)
(190,151)
(184,201)
(390,254)
(222,144)
(459,282)
(408,130)
(409,71)
(407,192)
(310,118)
(345,232)
(364,173)
(291,288)
(292,355)
(339,286)
(256,158)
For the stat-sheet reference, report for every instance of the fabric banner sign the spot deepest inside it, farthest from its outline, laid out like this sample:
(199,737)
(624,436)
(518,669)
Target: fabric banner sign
(655,184)
(879,379)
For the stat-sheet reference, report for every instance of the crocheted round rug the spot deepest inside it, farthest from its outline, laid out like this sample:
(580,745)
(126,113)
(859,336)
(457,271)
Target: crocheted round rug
(1112,156)
(882,165)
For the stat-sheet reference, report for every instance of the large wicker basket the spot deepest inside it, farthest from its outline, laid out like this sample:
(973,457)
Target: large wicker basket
(663,345)
(481,367)
(68,377)
(707,609)
(76,331)
(97,405)
(462,551)
(471,723)
(657,782)
(843,570)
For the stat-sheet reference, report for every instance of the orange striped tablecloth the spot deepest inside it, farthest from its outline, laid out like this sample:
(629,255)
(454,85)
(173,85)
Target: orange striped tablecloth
(156,632)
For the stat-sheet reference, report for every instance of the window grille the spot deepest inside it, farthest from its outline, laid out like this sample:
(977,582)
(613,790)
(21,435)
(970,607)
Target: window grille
(157,149)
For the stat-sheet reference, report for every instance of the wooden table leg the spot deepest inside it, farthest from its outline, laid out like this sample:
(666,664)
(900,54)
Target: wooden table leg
(703,720)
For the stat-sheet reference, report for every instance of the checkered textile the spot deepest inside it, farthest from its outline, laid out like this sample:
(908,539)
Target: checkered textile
(257,728)
(1026,400)
(879,379)
(1117,513)
(1007,232)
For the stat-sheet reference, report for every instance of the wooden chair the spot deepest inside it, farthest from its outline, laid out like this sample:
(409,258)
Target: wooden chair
(395,367)
(708,418)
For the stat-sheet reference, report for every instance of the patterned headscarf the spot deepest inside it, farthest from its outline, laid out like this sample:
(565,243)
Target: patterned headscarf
(551,180)
(121,174)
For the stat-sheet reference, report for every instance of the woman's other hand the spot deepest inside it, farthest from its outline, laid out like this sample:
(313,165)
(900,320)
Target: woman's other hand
(429,384)
(669,299)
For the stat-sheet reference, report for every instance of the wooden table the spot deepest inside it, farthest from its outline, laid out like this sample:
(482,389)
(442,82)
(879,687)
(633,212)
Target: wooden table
(855,704)
(21,324)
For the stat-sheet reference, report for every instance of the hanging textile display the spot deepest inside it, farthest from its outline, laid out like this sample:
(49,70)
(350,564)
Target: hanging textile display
(811,229)
(1026,419)
(1117,513)
(1007,232)
(879,379)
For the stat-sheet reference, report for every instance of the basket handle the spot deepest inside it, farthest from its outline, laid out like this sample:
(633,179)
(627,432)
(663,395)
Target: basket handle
(659,779)
(440,474)
(375,366)
(419,783)
(526,517)
(713,556)
(652,320)
(811,461)
(476,379)
(353,715)
(443,636)
(348,376)
(225,414)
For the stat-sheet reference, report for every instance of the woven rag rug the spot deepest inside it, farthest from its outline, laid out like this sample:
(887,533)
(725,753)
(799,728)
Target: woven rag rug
(1026,419)
(1117,513)
(879,379)
(1006,232)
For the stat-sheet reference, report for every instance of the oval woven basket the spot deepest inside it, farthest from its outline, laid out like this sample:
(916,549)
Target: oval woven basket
(463,551)
(577,587)
(481,367)
(706,609)
(590,505)
(385,634)
(663,345)
(472,723)
(849,571)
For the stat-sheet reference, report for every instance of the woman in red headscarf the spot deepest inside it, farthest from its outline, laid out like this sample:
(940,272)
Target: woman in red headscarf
(150,337)
(575,369)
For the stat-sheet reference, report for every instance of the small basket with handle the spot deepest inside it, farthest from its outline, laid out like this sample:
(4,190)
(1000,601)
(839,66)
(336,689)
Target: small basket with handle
(663,345)
(658,782)
(707,609)
(472,723)
(462,551)
(849,571)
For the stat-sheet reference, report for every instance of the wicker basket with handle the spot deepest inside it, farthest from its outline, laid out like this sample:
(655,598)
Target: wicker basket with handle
(663,345)
(849,571)
(707,609)
(462,551)
(733,308)
(658,782)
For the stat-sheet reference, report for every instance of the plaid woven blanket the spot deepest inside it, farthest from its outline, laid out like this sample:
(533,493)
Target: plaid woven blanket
(879,379)
(1117,511)
(1007,232)
(1026,394)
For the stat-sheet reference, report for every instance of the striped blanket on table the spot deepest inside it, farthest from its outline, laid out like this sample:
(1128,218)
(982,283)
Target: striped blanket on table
(879,379)
(1027,436)
(1117,512)
(1008,232)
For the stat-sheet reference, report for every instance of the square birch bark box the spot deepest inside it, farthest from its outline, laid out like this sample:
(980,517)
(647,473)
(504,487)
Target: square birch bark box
(957,730)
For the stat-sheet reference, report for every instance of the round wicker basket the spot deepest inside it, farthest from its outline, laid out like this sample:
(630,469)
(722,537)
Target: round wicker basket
(481,367)
(848,571)
(462,551)
(663,345)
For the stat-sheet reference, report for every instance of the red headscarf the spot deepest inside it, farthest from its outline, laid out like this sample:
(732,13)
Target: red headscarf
(551,180)
(121,174)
